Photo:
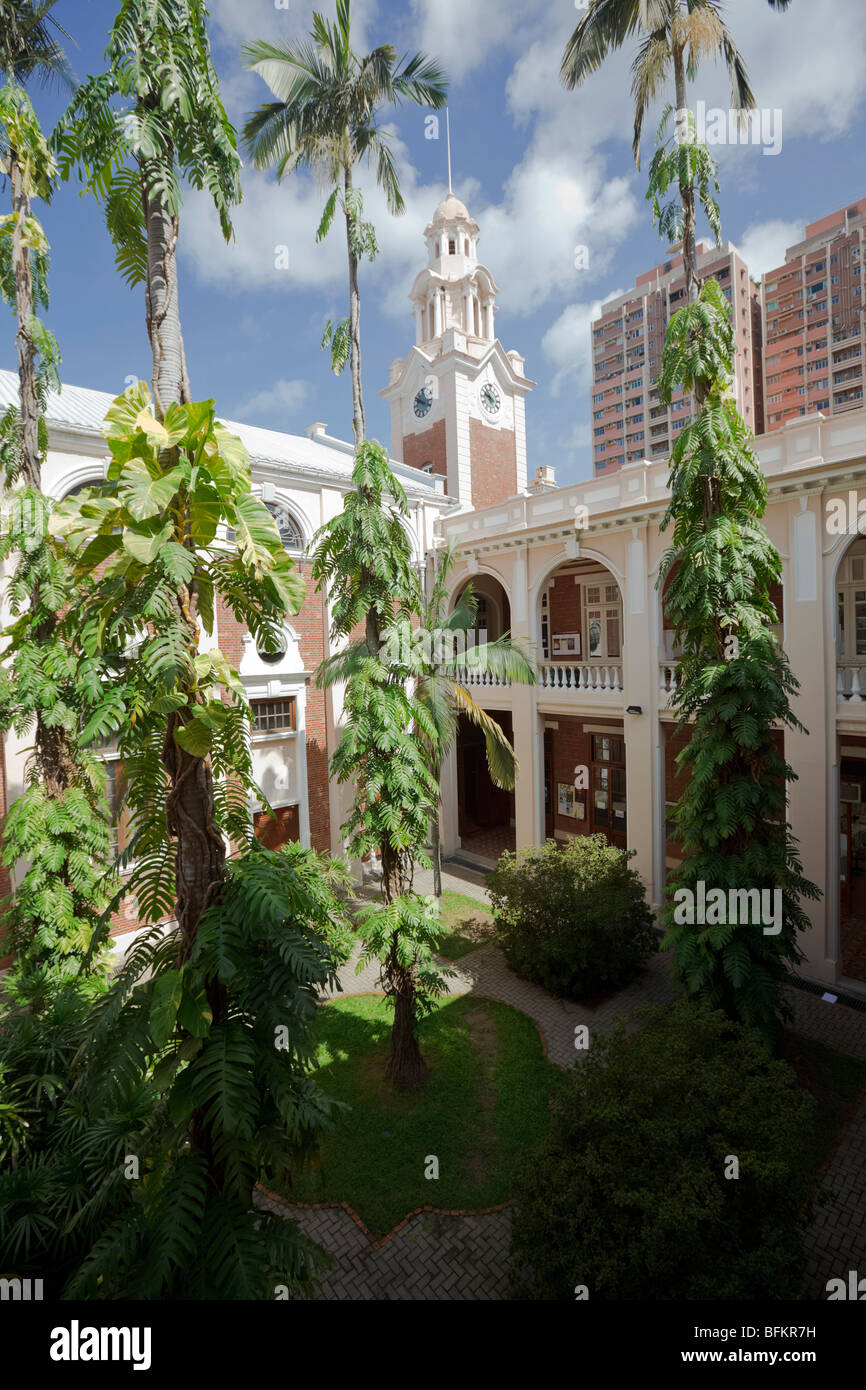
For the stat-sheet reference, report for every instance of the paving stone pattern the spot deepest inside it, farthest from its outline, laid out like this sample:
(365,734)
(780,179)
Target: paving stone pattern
(440,1256)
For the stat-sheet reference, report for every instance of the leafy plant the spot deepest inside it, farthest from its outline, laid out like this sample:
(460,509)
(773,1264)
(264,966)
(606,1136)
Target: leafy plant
(146,1190)
(57,828)
(363,558)
(135,134)
(634,1195)
(440,655)
(572,917)
(196,1059)
(325,117)
(733,683)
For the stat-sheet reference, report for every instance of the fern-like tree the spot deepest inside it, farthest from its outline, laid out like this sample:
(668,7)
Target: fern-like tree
(197,1059)
(57,828)
(136,134)
(327,116)
(363,558)
(675,36)
(441,653)
(29,51)
(734,684)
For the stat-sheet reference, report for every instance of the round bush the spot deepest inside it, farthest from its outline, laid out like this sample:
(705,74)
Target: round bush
(629,1195)
(572,917)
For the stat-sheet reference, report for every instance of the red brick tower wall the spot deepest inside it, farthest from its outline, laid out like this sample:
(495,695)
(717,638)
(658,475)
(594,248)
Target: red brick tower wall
(493,461)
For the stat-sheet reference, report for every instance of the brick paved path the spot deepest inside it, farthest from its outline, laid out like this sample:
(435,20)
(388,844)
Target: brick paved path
(435,1256)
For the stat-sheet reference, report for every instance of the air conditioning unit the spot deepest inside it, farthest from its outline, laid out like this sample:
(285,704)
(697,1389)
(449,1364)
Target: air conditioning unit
(850,791)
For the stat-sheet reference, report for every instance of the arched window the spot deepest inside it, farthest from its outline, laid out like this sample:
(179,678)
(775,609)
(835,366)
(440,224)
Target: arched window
(466,246)
(452,246)
(437,248)
(291,534)
(82,487)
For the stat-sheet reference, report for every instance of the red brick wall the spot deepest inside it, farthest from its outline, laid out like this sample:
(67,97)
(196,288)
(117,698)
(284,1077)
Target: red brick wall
(309,623)
(427,447)
(564,608)
(572,748)
(493,458)
(276,830)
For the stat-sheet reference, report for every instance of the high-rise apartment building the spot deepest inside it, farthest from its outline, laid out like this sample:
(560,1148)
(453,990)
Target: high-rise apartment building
(629,422)
(814,324)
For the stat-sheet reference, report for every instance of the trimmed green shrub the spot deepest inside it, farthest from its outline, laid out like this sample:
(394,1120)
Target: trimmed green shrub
(631,1195)
(572,917)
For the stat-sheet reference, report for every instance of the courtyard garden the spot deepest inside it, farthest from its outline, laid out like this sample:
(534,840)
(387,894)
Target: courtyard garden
(487,1100)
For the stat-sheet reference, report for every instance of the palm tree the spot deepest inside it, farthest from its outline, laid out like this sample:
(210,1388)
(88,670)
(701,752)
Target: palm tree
(169,127)
(675,36)
(28,51)
(325,117)
(441,668)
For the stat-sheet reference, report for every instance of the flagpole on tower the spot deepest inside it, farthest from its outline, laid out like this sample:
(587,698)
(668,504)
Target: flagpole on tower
(448,142)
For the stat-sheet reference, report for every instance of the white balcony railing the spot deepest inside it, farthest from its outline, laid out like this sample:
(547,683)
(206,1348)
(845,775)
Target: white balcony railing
(466,675)
(567,675)
(667,679)
(851,681)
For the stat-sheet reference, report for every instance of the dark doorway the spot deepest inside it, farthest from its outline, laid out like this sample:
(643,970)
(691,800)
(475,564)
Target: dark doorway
(485,812)
(549,814)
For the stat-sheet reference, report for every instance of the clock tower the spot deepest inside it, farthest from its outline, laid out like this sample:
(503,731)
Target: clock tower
(457,400)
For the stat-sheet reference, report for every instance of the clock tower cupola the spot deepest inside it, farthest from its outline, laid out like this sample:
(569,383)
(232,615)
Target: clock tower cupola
(457,400)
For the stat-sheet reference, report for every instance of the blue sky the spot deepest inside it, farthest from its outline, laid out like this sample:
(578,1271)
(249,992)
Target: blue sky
(543,171)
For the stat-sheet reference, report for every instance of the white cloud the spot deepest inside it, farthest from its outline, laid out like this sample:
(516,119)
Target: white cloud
(763,244)
(273,403)
(463,36)
(568,345)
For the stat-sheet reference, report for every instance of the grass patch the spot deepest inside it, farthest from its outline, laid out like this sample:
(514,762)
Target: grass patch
(486,1101)
(469,924)
(836,1081)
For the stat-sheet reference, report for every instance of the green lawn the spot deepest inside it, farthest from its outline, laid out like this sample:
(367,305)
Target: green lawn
(469,924)
(485,1103)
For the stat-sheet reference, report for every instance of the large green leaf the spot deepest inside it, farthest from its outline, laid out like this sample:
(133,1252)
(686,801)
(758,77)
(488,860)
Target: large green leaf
(257,539)
(145,548)
(146,496)
(164,1004)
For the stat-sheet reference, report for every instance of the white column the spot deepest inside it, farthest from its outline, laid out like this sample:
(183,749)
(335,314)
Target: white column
(489,313)
(467,309)
(301,770)
(437,314)
(450,838)
(419,326)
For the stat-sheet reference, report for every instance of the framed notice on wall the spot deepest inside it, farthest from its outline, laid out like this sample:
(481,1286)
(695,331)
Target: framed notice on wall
(566,644)
(565,798)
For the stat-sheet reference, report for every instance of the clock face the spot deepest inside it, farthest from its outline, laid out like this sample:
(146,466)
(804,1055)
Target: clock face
(490,398)
(423,402)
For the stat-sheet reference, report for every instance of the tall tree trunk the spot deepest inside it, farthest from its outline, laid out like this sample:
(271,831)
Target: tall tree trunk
(406,1068)
(359,424)
(687,192)
(162,309)
(31,467)
(200,853)
(437,852)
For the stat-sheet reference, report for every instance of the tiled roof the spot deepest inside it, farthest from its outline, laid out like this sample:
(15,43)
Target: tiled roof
(79,408)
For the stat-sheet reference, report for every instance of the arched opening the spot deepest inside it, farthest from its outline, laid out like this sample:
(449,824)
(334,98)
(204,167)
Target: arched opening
(581,626)
(485,812)
(493,610)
